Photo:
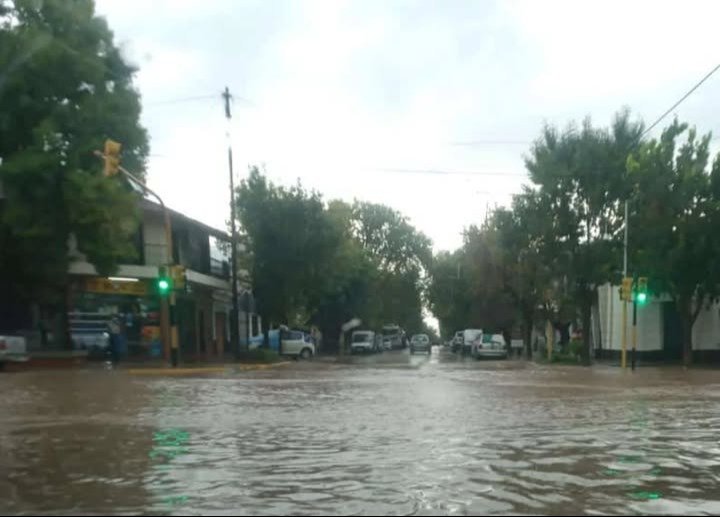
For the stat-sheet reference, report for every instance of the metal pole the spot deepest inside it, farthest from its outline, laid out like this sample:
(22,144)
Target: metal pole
(234,330)
(623,360)
(634,350)
(168,313)
(625,246)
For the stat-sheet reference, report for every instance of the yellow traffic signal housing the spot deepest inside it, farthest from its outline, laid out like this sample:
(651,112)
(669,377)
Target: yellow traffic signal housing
(179,276)
(112,157)
(626,289)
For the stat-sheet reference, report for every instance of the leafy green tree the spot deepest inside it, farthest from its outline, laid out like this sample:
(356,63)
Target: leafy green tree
(674,220)
(64,89)
(402,256)
(312,263)
(582,178)
(525,276)
(389,238)
(448,296)
(293,245)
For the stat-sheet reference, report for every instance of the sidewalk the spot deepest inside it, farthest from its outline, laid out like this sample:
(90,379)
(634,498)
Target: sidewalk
(202,369)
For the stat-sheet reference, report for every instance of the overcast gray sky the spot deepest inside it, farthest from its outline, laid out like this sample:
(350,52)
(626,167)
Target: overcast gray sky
(341,93)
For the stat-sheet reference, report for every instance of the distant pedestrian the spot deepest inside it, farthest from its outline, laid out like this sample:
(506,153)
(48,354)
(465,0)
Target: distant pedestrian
(115,328)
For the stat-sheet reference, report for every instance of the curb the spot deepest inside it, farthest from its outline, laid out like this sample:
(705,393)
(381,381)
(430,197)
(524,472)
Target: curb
(205,370)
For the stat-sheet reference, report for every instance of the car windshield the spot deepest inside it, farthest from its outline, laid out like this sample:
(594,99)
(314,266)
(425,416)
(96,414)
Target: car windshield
(361,337)
(419,338)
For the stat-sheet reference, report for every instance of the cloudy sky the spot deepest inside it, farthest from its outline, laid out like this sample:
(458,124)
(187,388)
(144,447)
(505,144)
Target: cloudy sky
(354,97)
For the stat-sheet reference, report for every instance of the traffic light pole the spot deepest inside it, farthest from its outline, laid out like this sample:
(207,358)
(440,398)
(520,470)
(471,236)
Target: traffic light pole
(623,356)
(634,335)
(168,314)
(623,360)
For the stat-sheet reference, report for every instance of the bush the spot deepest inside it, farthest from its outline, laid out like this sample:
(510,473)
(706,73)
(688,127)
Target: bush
(260,355)
(576,347)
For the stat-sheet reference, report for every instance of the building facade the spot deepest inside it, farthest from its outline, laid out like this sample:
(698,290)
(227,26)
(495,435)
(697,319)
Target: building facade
(129,300)
(659,333)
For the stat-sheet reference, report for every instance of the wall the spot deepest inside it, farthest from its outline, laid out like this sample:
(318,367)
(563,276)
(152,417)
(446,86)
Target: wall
(649,321)
(155,240)
(706,331)
(651,325)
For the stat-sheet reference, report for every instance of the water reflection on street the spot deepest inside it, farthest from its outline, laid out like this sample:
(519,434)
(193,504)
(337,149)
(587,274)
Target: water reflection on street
(390,434)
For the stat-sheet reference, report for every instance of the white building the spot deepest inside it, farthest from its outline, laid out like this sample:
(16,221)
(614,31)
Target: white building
(659,334)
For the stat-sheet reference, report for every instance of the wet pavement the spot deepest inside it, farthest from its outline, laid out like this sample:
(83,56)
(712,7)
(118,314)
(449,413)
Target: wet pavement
(391,434)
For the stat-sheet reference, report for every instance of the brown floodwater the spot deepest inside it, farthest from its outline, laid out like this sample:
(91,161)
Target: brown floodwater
(390,434)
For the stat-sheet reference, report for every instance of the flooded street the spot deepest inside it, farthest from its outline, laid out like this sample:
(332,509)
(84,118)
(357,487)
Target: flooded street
(391,434)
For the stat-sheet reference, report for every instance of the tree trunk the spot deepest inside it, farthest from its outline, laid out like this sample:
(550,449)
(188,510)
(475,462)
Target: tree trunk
(586,311)
(527,324)
(65,306)
(686,317)
(266,332)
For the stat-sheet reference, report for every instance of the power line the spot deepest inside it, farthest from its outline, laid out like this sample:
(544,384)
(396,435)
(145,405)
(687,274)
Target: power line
(690,92)
(453,173)
(181,100)
(195,98)
(471,143)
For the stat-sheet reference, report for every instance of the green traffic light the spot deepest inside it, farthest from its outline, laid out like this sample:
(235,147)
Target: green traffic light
(163,284)
(642,298)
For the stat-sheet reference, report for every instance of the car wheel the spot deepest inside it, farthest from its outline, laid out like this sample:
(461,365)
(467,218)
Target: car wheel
(306,354)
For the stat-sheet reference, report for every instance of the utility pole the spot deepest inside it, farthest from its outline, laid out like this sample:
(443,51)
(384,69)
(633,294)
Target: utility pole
(623,360)
(234,330)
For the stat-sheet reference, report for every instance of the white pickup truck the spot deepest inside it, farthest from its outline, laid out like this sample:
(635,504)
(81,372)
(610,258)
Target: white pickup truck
(13,349)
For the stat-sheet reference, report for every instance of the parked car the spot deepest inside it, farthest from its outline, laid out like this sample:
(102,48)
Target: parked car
(420,343)
(470,337)
(393,337)
(13,349)
(457,342)
(490,346)
(363,341)
(90,331)
(296,343)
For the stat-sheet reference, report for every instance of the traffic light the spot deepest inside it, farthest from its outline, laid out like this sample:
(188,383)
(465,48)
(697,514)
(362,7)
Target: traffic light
(642,294)
(179,277)
(164,281)
(626,289)
(112,157)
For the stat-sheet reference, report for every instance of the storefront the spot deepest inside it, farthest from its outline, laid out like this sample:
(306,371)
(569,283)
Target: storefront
(130,303)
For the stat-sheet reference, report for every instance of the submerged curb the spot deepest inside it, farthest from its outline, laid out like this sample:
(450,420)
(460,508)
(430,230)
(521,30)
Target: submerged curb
(205,369)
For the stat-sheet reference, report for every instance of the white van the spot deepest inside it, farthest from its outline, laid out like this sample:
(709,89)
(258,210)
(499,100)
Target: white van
(470,337)
(363,341)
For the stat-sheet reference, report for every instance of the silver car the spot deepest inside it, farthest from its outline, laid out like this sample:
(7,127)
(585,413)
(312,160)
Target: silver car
(490,346)
(420,343)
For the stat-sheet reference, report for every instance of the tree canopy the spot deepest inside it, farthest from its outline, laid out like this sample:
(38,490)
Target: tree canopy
(318,263)
(561,238)
(64,89)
